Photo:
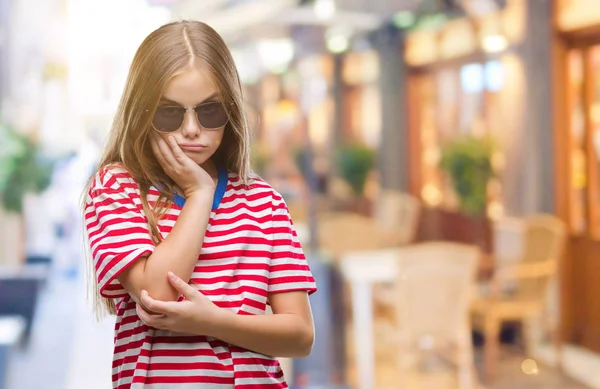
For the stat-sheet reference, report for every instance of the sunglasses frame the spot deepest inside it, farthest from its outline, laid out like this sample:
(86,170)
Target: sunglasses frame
(186,111)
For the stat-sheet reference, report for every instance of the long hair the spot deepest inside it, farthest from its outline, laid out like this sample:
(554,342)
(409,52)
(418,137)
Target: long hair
(161,56)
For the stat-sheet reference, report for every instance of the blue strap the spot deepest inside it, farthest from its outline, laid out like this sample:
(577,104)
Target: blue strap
(219,191)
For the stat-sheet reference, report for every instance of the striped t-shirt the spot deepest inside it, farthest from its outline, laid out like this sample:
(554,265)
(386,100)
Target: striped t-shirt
(250,249)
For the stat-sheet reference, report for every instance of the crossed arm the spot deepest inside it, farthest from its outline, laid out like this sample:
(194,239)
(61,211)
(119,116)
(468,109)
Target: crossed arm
(288,332)
(156,282)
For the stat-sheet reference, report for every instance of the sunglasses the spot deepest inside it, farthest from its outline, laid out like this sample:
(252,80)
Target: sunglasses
(169,118)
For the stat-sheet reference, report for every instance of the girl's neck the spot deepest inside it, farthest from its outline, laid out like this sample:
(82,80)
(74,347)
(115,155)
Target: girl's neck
(211,169)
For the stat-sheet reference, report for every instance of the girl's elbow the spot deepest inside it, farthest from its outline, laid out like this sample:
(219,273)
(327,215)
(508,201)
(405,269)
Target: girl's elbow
(306,343)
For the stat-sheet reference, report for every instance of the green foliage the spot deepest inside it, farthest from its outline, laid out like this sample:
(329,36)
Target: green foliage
(355,161)
(259,159)
(23,169)
(300,156)
(468,162)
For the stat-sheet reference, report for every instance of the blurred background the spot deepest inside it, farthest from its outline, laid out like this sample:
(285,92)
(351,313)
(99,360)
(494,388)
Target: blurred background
(440,158)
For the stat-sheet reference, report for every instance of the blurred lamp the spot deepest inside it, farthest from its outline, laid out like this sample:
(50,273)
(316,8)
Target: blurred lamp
(337,44)
(529,367)
(337,39)
(276,54)
(494,43)
(324,9)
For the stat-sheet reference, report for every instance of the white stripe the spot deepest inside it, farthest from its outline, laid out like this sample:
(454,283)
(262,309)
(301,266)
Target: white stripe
(254,203)
(291,286)
(186,386)
(236,235)
(121,264)
(253,368)
(117,244)
(257,381)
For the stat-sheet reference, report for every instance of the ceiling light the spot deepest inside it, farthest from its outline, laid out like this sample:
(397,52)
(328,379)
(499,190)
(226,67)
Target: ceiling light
(324,9)
(276,54)
(495,43)
(337,39)
(337,44)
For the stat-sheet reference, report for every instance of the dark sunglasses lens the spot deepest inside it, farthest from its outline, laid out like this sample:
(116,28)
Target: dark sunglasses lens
(168,119)
(212,115)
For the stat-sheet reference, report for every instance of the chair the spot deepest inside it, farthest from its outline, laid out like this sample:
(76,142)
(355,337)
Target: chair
(518,290)
(341,232)
(397,214)
(394,223)
(433,293)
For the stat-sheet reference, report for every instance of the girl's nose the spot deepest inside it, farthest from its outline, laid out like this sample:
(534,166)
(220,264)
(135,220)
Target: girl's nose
(190,127)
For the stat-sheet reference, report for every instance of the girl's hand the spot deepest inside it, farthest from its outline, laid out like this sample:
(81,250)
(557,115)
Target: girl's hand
(187,174)
(194,315)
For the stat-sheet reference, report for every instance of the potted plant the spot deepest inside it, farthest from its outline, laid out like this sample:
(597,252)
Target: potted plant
(23,170)
(468,163)
(355,162)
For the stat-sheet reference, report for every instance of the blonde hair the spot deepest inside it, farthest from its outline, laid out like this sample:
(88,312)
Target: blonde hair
(164,53)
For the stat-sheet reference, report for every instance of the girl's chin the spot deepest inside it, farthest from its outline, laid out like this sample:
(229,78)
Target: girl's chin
(196,155)
(199,159)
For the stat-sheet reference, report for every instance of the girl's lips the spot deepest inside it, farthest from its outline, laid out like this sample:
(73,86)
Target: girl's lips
(192,147)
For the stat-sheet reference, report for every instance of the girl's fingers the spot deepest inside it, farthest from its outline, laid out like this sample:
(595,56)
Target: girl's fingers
(166,153)
(176,150)
(156,150)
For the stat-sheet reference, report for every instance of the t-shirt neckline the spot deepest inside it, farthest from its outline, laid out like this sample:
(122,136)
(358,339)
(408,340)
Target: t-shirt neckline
(222,178)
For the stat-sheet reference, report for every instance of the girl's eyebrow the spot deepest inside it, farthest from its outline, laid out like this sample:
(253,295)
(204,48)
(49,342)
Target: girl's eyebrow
(165,99)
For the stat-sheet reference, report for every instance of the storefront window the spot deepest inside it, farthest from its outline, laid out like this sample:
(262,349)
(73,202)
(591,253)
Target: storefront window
(431,189)
(594,120)
(455,101)
(494,76)
(472,90)
(578,154)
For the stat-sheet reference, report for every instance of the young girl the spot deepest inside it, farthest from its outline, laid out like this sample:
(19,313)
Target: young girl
(188,249)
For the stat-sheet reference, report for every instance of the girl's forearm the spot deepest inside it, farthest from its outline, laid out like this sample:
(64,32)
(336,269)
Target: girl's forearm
(178,253)
(277,335)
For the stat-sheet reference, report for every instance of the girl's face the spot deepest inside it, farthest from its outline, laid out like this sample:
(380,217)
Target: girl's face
(198,131)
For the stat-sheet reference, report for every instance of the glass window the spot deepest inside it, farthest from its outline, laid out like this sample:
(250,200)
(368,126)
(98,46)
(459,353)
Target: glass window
(578,155)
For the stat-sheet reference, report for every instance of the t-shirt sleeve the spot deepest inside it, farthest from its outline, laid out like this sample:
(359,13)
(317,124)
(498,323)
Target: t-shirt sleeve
(116,229)
(288,270)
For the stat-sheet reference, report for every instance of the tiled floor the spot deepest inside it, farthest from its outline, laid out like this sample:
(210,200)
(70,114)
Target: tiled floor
(510,375)
(68,350)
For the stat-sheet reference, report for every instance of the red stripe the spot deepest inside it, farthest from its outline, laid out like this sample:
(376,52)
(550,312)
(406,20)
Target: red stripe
(226,279)
(241,218)
(188,380)
(238,240)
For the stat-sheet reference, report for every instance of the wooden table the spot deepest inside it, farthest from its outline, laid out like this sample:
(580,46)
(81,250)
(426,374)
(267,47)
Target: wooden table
(362,270)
